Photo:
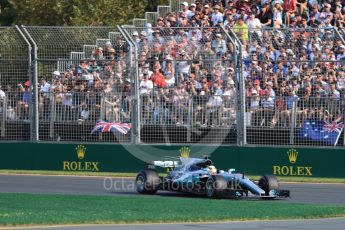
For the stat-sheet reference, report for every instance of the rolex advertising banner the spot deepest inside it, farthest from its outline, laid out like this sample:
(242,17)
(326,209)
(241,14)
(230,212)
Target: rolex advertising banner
(302,162)
(84,158)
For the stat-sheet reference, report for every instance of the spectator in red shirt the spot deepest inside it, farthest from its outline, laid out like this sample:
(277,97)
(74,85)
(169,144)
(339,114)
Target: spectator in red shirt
(290,8)
(157,77)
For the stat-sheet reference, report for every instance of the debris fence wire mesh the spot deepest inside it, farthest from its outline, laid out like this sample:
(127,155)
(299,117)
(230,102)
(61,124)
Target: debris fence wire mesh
(183,87)
(14,77)
(281,122)
(291,76)
(186,85)
(84,77)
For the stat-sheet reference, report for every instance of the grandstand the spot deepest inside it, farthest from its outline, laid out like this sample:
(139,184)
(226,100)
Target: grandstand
(211,72)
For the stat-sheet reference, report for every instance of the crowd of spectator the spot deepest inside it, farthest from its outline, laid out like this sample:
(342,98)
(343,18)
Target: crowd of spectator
(97,88)
(292,53)
(187,73)
(92,89)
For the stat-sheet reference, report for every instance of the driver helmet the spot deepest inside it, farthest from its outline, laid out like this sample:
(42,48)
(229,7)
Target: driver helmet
(212,169)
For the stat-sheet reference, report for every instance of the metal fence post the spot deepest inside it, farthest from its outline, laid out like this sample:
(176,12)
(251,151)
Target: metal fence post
(33,72)
(52,116)
(102,109)
(133,58)
(189,119)
(241,97)
(293,123)
(339,35)
(3,116)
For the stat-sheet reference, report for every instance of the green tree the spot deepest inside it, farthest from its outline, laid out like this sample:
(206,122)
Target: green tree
(73,12)
(7,13)
(152,5)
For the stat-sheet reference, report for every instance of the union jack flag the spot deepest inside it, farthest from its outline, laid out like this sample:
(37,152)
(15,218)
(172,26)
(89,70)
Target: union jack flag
(334,126)
(113,127)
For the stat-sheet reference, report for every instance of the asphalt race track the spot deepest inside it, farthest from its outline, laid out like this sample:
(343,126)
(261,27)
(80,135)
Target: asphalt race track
(300,193)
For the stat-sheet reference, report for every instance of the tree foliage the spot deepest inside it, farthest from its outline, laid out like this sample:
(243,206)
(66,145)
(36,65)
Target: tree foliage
(152,5)
(74,12)
(7,13)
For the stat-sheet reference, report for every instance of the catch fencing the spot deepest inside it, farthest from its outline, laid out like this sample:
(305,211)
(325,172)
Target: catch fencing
(293,76)
(15,63)
(82,76)
(181,75)
(207,85)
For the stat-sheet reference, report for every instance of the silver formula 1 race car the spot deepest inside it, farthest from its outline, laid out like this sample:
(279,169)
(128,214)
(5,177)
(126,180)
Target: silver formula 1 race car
(199,176)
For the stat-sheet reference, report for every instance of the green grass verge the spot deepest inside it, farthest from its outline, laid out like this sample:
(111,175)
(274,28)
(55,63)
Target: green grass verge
(30,209)
(112,174)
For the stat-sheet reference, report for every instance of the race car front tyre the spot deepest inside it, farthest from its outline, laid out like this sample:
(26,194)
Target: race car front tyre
(268,183)
(215,186)
(147,182)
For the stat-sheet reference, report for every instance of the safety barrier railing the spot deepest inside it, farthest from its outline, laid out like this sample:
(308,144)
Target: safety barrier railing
(72,115)
(286,119)
(174,117)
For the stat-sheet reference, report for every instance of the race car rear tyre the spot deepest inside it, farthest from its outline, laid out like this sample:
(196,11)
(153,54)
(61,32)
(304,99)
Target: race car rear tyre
(215,186)
(268,183)
(147,182)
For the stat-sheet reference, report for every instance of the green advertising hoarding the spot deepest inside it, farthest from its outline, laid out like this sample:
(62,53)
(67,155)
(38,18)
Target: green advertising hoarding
(307,162)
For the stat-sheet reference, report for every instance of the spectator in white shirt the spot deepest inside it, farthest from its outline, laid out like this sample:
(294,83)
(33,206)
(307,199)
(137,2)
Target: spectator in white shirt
(66,97)
(217,16)
(326,14)
(45,87)
(213,109)
(230,90)
(219,45)
(191,12)
(334,92)
(146,85)
(145,70)
(67,103)
(229,20)
(268,100)
(2,98)
(135,37)
(185,9)
(254,25)
(341,81)
(2,94)
(277,15)
(45,97)
(254,101)
(183,65)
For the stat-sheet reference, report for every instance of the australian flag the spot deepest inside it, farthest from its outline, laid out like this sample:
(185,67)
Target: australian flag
(321,131)
(103,127)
